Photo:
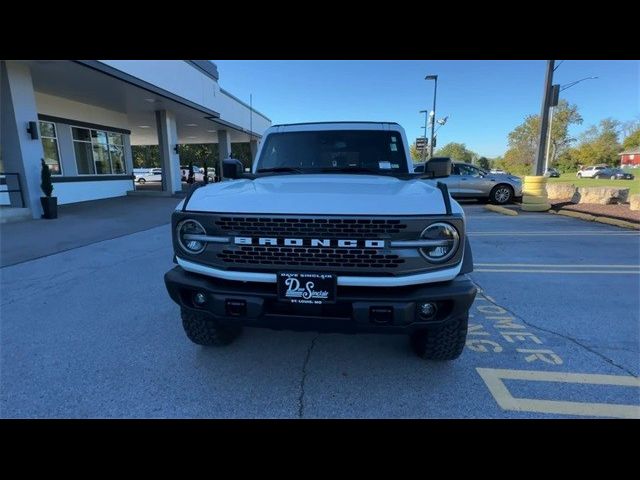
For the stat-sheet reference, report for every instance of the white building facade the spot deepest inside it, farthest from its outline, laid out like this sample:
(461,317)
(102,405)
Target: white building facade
(83,116)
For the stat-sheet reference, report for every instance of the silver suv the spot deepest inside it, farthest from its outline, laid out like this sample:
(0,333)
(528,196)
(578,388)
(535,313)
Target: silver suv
(469,181)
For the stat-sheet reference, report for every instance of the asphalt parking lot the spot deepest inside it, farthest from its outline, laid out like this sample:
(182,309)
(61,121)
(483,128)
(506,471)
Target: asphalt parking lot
(91,333)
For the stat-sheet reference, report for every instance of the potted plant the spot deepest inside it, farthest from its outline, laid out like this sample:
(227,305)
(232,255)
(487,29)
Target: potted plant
(49,203)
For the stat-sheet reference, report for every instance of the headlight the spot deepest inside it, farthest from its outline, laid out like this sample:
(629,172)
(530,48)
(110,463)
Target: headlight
(445,239)
(187,229)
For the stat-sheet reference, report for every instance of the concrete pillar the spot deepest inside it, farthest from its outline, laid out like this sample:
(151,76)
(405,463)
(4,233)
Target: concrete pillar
(128,154)
(20,153)
(224,149)
(253,145)
(169,159)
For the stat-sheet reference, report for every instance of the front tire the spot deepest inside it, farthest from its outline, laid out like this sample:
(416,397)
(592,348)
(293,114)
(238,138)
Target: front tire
(204,330)
(444,342)
(501,194)
(141,180)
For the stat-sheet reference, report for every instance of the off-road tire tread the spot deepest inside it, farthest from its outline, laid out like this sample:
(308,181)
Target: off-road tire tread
(203,330)
(445,342)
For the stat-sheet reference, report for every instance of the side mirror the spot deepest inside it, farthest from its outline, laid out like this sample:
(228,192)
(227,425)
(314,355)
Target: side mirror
(438,167)
(232,168)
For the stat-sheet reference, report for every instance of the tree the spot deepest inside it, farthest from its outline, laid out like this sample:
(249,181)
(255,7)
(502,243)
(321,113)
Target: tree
(483,162)
(564,115)
(632,140)
(456,151)
(416,155)
(598,144)
(523,140)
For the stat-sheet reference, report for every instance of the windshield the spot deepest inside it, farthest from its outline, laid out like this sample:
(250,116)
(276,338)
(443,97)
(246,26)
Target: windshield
(352,151)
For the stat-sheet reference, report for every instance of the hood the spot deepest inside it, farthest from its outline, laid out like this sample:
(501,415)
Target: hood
(321,194)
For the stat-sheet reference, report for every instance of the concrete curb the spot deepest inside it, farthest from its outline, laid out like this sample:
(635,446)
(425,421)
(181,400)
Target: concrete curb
(580,215)
(617,223)
(592,218)
(502,210)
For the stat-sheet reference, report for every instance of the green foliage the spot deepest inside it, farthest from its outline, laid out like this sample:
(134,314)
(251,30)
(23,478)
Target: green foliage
(564,115)
(523,140)
(45,179)
(632,140)
(416,155)
(145,156)
(566,163)
(598,144)
(456,151)
(483,162)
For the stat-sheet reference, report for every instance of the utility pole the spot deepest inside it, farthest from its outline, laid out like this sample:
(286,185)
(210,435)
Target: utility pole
(544,120)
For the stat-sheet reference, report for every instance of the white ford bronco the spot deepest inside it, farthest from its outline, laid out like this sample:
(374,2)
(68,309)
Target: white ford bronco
(331,231)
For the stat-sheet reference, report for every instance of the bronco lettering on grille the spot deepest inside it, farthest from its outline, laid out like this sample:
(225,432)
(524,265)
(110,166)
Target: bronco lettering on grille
(309,242)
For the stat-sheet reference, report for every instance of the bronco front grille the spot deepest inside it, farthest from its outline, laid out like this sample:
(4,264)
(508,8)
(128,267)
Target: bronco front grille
(310,257)
(311,227)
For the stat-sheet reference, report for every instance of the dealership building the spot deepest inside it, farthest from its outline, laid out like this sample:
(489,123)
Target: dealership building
(83,116)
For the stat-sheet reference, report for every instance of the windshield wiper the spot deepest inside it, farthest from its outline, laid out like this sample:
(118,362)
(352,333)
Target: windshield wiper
(280,170)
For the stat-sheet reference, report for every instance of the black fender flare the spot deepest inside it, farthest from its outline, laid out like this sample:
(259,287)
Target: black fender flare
(467,259)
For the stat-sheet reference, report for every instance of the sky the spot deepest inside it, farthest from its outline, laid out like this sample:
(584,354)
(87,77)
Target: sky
(484,99)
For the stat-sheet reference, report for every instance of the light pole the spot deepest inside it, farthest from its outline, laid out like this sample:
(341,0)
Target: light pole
(551,111)
(433,118)
(424,147)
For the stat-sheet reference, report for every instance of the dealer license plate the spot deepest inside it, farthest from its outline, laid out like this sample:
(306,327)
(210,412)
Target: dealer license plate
(306,288)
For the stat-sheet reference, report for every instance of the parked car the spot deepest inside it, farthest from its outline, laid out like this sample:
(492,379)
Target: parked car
(614,174)
(552,173)
(144,175)
(198,173)
(590,172)
(469,181)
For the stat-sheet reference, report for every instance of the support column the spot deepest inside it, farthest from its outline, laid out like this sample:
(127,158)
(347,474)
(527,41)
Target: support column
(224,149)
(253,145)
(20,153)
(169,159)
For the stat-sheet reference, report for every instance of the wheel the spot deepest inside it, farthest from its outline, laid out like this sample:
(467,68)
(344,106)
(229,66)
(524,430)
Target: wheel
(141,180)
(501,194)
(579,175)
(204,330)
(444,342)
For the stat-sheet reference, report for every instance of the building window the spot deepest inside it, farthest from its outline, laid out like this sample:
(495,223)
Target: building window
(98,152)
(50,147)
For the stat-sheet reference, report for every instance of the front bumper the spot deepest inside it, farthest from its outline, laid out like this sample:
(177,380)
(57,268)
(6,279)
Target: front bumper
(357,309)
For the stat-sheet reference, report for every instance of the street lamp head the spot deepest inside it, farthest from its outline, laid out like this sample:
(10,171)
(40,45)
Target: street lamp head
(431,77)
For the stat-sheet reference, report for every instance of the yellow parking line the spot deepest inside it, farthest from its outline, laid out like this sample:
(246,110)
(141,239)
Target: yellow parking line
(513,270)
(493,378)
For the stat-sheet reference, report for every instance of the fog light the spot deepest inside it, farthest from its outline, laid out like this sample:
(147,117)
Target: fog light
(199,298)
(428,309)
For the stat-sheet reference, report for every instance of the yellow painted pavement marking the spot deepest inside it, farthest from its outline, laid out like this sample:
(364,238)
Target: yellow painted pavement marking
(493,378)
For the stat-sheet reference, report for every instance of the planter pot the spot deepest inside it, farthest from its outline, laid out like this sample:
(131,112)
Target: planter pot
(49,207)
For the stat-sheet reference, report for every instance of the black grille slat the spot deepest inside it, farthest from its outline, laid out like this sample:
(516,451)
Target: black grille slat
(307,227)
(312,257)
